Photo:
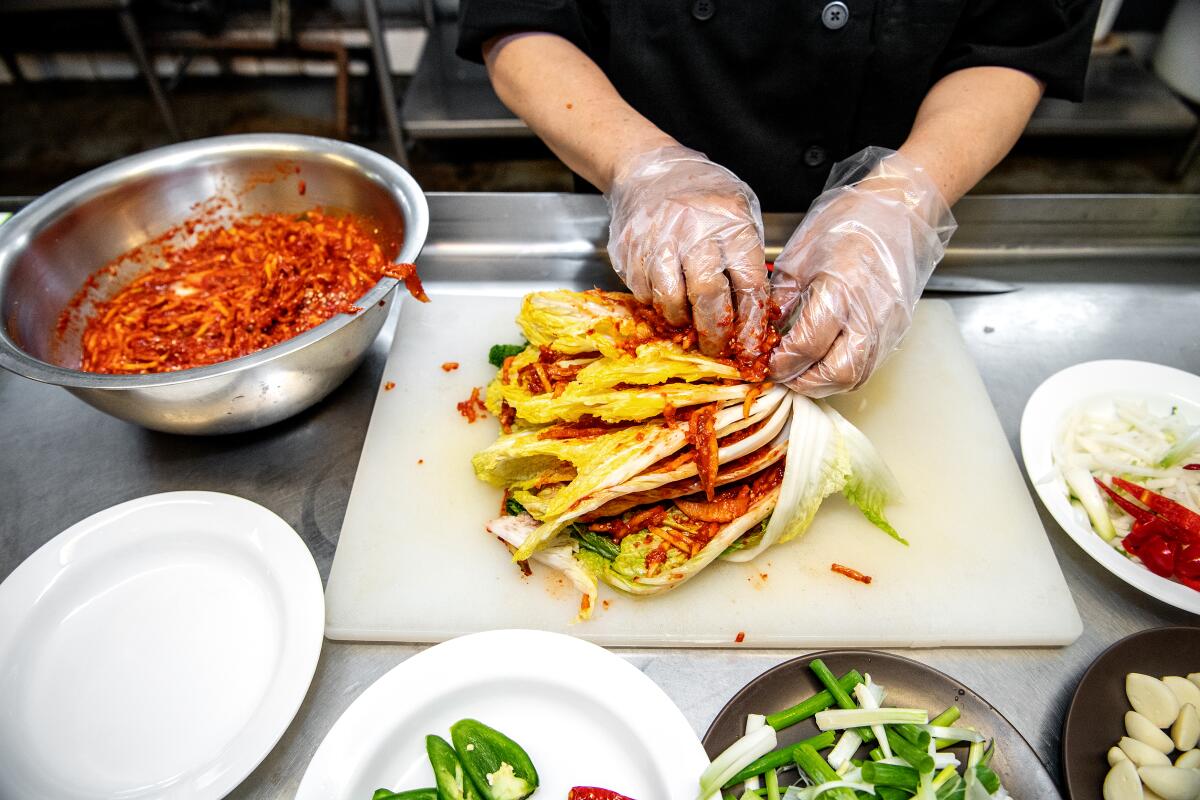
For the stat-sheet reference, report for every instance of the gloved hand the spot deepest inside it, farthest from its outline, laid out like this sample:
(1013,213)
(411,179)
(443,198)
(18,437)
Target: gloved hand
(849,277)
(687,232)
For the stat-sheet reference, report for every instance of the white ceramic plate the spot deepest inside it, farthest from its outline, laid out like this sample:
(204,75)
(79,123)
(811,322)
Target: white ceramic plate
(585,716)
(158,648)
(1099,383)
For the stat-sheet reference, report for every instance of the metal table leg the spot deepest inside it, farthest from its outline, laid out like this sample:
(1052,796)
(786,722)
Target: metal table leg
(383,71)
(130,28)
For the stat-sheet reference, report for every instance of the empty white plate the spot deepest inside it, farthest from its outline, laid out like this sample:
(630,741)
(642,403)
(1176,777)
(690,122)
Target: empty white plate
(158,648)
(585,716)
(1100,383)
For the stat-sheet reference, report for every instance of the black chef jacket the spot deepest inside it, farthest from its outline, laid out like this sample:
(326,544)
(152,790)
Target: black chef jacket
(778,90)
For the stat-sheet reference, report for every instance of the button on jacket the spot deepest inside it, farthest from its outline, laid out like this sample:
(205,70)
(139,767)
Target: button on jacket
(779,90)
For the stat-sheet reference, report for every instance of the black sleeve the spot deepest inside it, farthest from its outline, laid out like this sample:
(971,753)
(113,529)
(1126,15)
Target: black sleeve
(1049,39)
(481,20)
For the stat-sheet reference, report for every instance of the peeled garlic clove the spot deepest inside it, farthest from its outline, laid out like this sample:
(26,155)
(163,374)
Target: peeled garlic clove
(1189,760)
(1116,754)
(1145,732)
(1148,794)
(1122,782)
(1171,783)
(1184,690)
(1142,754)
(1194,677)
(1151,698)
(1186,730)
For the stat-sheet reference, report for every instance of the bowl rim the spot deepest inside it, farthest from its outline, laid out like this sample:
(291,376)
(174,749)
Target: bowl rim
(15,233)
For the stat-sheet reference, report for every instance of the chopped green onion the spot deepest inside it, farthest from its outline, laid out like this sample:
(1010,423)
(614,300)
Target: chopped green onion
(989,779)
(816,768)
(771,779)
(916,736)
(837,719)
(951,735)
(753,723)
(891,775)
(918,759)
(831,684)
(780,758)
(807,708)
(735,758)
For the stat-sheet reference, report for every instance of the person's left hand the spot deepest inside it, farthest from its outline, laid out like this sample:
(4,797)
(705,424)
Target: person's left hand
(849,277)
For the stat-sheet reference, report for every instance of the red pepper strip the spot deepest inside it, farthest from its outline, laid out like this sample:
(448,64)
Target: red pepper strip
(1158,555)
(770,266)
(852,574)
(1130,508)
(1134,540)
(1178,515)
(1191,466)
(1160,527)
(1187,563)
(1190,583)
(593,793)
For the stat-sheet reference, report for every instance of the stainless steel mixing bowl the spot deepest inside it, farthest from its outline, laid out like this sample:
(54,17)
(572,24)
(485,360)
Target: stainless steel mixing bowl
(49,250)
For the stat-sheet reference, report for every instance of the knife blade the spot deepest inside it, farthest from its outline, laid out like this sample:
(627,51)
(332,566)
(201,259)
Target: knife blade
(963,284)
(956,284)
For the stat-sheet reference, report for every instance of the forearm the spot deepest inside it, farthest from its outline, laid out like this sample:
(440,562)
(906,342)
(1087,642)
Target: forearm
(570,104)
(968,122)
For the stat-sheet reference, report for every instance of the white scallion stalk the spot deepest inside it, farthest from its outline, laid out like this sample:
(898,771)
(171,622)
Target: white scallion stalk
(841,718)
(869,695)
(925,790)
(812,792)
(845,749)
(736,758)
(753,723)
(954,734)
(946,774)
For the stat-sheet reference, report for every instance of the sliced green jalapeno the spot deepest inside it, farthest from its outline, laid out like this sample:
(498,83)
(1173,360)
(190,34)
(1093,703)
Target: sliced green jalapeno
(498,766)
(452,781)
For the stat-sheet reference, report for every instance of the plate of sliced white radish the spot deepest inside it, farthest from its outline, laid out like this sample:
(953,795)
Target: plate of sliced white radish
(1133,728)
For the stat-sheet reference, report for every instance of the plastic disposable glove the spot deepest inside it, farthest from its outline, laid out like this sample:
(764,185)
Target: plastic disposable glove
(687,235)
(849,277)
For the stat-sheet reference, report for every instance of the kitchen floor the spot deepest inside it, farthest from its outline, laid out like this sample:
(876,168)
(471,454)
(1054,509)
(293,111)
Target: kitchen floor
(52,132)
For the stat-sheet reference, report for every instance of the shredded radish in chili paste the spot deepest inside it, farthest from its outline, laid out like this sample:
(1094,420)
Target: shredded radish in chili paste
(259,281)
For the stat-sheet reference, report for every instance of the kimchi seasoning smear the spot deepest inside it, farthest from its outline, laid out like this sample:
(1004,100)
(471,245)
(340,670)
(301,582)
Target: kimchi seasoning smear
(473,408)
(260,280)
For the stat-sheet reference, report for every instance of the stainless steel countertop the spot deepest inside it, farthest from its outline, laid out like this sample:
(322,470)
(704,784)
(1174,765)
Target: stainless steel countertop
(1099,277)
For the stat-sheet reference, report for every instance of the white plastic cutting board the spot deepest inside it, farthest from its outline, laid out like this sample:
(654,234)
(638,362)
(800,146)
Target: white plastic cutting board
(414,564)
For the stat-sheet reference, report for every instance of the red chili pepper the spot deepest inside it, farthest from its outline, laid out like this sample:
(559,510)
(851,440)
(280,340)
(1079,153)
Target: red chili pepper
(1158,555)
(1128,506)
(1187,563)
(593,793)
(1191,583)
(1160,527)
(1134,540)
(1178,515)
(1191,466)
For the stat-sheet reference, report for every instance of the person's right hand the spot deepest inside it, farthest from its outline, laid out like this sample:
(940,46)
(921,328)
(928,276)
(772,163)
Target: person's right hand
(686,237)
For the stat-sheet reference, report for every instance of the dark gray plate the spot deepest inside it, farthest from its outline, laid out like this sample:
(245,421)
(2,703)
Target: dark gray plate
(1096,717)
(908,684)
